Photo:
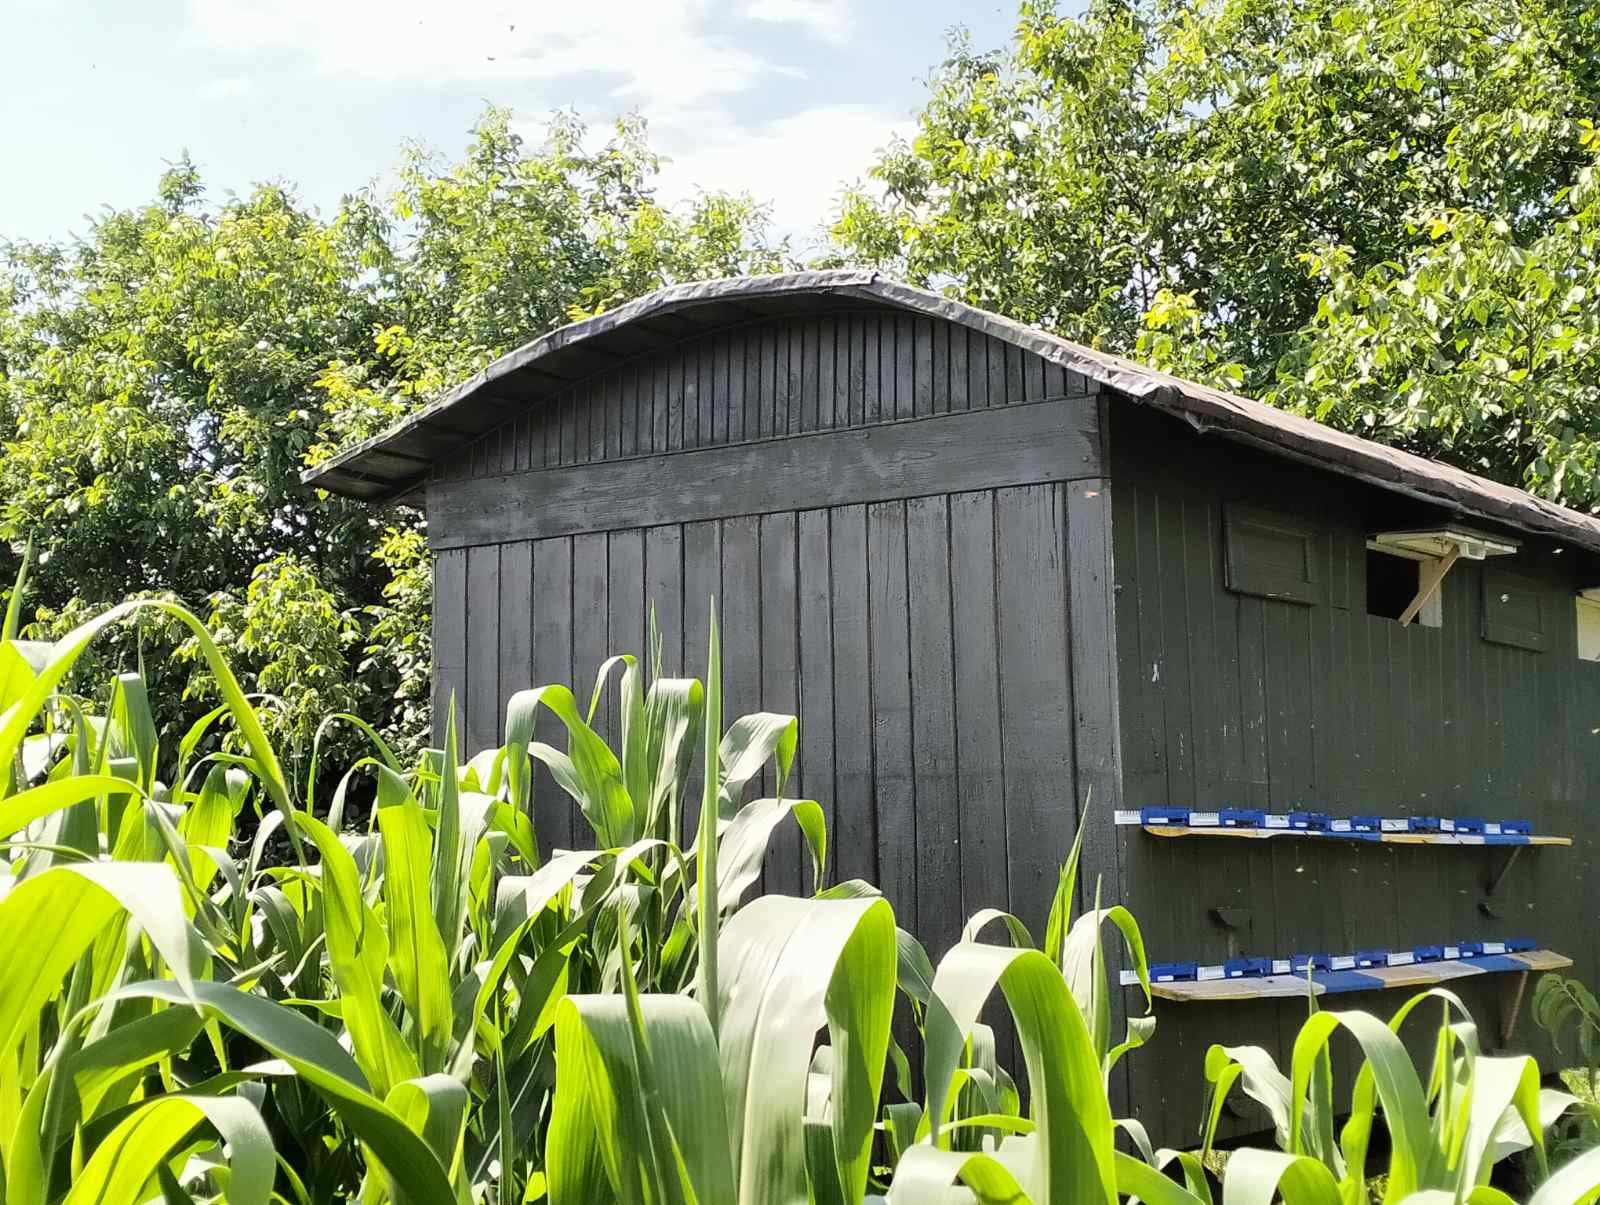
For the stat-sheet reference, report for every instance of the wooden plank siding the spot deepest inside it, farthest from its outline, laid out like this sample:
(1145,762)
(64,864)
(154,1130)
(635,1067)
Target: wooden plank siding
(886,510)
(843,367)
(1227,699)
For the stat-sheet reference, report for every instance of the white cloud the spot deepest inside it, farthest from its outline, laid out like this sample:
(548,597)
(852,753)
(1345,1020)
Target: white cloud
(830,20)
(798,162)
(690,66)
(225,86)
(648,51)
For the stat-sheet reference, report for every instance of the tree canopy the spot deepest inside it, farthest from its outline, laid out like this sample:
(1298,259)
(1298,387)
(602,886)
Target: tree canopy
(165,378)
(1378,212)
(1382,213)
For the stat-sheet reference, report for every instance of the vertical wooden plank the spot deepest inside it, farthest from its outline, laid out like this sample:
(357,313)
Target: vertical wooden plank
(895,366)
(524,426)
(922,366)
(568,453)
(661,422)
(680,413)
(960,368)
(741,617)
(995,358)
(936,788)
(591,642)
(753,427)
(1096,721)
(594,413)
(611,394)
(905,341)
(1035,692)
(702,581)
(831,387)
(714,380)
(555,815)
(976,394)
(702,377)
(791,389)
(780,676)
(938,377)
(853,369)
(760,353)
(814,591)
(516,621)
(627,378)
(894,786)
(482,698)
(811,375)
(663,590)
(449,636)
(1033,369)
(1016,382)
(981,783)
(627,628)
(872,389)
(855,831)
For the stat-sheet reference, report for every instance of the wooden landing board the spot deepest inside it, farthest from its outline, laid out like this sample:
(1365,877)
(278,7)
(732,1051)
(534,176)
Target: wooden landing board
(1256,834)
(1373,979)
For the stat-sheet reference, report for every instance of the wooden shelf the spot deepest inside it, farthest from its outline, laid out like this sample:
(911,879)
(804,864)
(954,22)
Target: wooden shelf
(1259,834)
(1421,974)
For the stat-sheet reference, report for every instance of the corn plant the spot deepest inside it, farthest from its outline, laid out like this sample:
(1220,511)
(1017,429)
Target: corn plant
(1446,1132)
(211,991)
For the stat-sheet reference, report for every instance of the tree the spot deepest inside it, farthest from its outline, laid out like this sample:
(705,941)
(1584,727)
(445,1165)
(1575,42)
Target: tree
(1379,212)
(164,380)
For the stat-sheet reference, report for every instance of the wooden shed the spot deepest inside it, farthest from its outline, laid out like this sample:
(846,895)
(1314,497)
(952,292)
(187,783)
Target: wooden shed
(1014,587)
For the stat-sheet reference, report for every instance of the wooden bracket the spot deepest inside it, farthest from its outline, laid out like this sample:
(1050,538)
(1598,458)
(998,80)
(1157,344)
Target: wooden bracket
(1429,577)
(1512,989)
(1505,868)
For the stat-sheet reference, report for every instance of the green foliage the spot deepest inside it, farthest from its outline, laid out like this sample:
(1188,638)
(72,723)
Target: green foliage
(422,1010)
(164,380)
(1378,212)
(1567,1010)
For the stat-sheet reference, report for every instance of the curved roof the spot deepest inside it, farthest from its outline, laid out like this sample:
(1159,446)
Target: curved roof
(395,462)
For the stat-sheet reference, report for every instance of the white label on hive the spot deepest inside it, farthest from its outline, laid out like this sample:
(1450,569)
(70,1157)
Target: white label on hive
(1342,962)
(1393,824)
(1127,817)
(1271,821)
(1492,827)
(1452,951)
(1210,973)
(1401,958)
(1281,966)
(1204,819)
(1494,947)
(1446,825)
(1339,826)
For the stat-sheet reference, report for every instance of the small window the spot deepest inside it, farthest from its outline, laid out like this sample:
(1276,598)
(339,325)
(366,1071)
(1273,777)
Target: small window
(1392,584)
(1588,629)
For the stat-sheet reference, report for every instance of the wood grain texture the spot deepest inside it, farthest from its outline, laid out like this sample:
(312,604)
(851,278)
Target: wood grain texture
(769,376)
(1050,441)
(1230,699)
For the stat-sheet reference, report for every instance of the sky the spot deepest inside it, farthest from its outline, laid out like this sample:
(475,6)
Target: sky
(784,99)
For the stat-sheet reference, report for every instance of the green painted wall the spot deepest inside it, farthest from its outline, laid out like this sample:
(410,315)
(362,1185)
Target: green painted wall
(1229,699)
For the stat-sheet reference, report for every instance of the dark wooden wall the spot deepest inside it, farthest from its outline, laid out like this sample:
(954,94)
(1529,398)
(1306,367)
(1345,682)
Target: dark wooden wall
(1229,699)
(910,596)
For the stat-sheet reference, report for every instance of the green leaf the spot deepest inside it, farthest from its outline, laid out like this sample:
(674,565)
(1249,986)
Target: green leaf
(127,1158)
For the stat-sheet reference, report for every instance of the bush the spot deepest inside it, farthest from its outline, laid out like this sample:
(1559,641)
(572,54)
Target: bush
(427,1010)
